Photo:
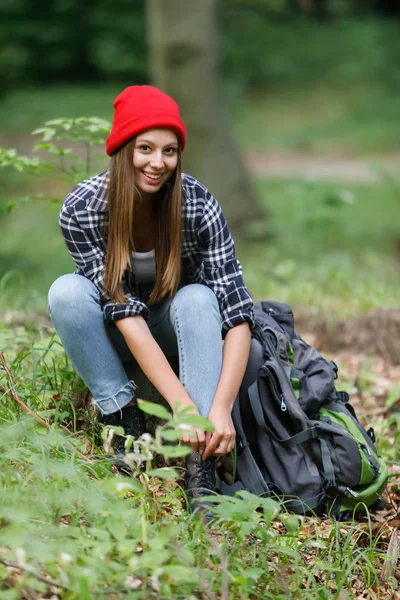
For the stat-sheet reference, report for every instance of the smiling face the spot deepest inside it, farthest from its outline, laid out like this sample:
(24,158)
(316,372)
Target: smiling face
(155,158)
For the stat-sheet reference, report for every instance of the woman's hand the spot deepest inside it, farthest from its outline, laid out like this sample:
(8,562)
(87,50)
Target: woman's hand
(222,439)
(196,438)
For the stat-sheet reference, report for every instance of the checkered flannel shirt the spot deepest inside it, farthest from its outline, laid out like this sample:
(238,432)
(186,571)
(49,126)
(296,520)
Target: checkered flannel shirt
(208,253)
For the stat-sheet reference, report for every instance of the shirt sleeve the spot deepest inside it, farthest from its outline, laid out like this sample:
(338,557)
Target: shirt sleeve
(89,259)
(221,269)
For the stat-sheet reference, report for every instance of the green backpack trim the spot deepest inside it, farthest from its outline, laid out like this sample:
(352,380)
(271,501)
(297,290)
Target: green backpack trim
(296,386)
(370,494)
(293,380)
(373,480)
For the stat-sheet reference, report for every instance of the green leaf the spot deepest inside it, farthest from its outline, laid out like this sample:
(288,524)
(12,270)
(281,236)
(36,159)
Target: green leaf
(174,451)
(118,430)
(164,473)
(53,122)
(178,573)
(171,435)
(291,522)
(41,146)
(234,509)
(194,421)
(271,509)
(47,133)
(151,408)
(253,573)
(124,485)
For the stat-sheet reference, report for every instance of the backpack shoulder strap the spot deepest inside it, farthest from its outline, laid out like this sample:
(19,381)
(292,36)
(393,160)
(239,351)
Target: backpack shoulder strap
(251,476)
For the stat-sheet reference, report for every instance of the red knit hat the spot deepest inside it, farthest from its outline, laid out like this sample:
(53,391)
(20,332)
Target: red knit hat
(141,107)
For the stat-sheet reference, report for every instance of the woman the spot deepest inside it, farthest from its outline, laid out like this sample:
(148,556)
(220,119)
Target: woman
(156,277)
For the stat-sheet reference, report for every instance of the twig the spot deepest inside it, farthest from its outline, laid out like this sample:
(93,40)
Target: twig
(12,393)
(29,570)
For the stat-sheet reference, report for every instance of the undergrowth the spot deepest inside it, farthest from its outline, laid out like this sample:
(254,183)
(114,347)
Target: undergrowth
(72,527)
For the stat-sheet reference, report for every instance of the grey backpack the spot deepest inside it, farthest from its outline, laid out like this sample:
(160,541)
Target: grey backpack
(298,438)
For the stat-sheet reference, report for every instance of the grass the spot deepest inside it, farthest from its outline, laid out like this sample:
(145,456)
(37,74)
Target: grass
(53,102)
(342,119)
(92,534)
(332,248)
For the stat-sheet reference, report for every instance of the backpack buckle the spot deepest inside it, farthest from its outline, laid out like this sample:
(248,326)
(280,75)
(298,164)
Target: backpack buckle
(243,443)
(350,492)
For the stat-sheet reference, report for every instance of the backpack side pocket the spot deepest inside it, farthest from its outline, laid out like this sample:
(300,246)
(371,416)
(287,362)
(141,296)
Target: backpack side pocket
(357,465)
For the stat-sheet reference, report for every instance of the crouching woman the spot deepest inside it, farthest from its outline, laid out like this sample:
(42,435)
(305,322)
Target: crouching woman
(156,277)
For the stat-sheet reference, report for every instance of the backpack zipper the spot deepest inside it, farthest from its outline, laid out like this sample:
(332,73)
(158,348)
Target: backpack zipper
(371,458)
(276,384)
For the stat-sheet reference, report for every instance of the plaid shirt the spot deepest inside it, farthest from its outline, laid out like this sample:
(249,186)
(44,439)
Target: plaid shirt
(208,253)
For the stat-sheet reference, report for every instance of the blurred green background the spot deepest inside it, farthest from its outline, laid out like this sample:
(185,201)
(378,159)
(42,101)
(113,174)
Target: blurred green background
(312,93)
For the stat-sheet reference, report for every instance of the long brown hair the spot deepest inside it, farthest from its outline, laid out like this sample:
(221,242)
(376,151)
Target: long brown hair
(123,198)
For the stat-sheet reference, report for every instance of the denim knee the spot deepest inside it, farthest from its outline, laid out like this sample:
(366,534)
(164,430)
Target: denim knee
(197,299)
(69,292)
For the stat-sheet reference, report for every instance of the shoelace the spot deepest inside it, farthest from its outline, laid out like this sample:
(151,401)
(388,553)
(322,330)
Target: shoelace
(201,473)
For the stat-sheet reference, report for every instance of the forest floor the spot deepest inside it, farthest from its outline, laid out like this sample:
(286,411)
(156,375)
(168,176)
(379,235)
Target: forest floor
(312,552)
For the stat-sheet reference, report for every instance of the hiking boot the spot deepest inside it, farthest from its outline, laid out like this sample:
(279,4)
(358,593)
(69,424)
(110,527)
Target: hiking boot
(200,481)
(131,419)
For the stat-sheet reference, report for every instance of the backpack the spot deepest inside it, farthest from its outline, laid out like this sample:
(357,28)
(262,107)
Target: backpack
(298,438)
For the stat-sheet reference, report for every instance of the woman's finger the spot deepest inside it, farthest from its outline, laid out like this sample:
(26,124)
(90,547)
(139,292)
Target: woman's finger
(194,442)
(226,445)
(185,439)
(212,444)
(232,443)
(221,449)
(208,435)
(201,437)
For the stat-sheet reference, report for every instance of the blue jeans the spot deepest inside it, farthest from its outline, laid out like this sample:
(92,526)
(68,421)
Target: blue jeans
(189,326)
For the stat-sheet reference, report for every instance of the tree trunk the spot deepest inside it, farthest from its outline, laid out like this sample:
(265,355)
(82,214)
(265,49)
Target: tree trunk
(183,59)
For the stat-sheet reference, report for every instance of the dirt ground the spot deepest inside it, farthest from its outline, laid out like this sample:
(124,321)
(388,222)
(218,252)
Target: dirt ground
(331,167)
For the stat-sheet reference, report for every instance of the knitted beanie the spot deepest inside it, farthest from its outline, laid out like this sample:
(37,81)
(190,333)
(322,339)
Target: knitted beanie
(142,107)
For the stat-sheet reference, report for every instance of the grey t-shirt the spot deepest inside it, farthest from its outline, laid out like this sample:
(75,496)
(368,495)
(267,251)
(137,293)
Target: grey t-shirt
(144,266)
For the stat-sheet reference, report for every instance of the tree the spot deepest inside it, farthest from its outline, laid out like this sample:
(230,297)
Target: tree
(183,63)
